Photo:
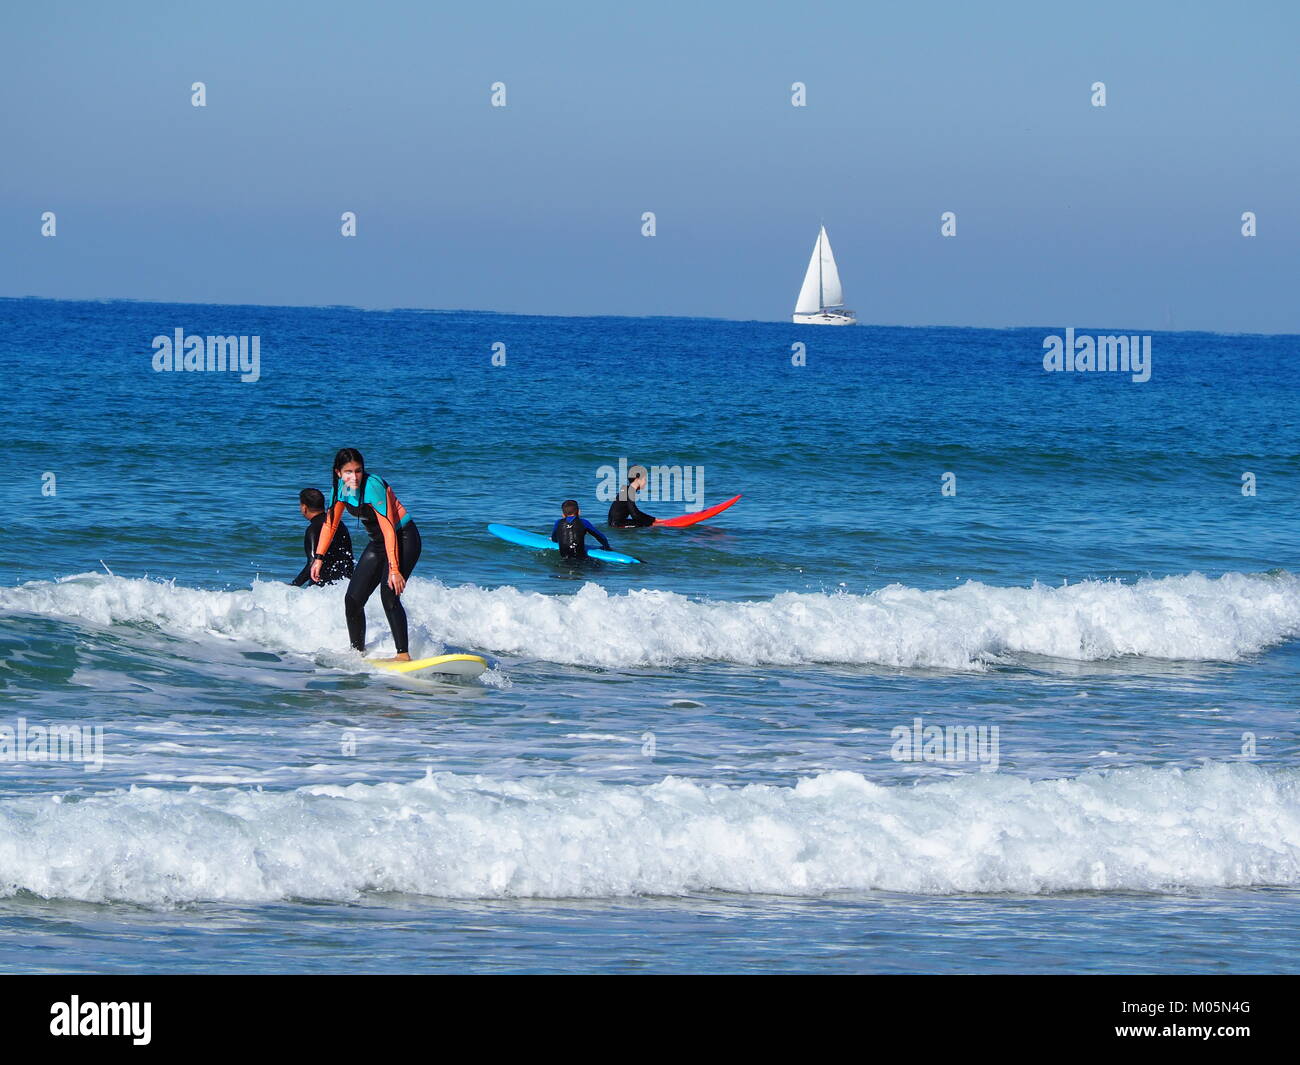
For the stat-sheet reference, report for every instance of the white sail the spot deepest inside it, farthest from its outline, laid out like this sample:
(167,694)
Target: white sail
(821,298)
(810,296)
(832,293)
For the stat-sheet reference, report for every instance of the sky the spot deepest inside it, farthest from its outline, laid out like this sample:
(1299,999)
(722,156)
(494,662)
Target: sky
(1119,217)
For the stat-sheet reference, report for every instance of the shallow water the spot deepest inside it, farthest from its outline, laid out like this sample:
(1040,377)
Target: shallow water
(687,765)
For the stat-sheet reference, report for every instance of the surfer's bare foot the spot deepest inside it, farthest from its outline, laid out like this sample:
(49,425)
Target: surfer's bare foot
(405,656)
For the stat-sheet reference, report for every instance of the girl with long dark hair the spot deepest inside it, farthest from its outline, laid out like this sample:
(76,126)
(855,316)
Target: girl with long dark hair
(390,556)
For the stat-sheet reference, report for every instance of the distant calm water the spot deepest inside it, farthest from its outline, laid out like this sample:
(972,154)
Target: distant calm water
(687,765)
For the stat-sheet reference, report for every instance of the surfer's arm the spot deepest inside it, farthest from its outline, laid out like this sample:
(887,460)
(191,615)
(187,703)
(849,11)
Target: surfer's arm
(390,542)
(591,529)
(555,530)
(304,574)
(332,518)
(387,512)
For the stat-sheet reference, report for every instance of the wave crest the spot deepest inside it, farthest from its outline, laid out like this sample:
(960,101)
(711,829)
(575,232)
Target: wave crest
(1220,825)
(1188,617)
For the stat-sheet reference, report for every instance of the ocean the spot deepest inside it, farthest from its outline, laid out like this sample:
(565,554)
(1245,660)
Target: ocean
(991,669)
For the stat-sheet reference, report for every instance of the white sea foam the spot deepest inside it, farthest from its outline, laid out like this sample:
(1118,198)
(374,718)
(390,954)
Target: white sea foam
(1220,825)
(1188,617)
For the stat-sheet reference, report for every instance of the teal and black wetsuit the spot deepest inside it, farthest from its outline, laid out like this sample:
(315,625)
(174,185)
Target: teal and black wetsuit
(394,547)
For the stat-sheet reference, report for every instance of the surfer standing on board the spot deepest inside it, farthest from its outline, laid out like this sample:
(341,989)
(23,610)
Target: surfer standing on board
(623,512)
(391,554)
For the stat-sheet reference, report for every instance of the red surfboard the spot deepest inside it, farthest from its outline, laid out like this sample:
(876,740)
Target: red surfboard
(691,519)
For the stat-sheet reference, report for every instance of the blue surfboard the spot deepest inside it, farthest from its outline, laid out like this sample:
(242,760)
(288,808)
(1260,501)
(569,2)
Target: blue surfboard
(523,538)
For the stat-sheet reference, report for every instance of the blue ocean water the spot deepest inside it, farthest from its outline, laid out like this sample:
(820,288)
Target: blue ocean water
(697,764)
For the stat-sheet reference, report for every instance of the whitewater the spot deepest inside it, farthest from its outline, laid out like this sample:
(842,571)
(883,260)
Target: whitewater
(1221,825)
(969,627)
(689,764)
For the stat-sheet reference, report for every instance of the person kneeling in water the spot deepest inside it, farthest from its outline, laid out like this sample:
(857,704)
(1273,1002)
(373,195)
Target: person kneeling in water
(392,552)
(338,563)
(623,512)
(570,531)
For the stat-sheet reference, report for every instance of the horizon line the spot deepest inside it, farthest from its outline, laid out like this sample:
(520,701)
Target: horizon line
(527,314)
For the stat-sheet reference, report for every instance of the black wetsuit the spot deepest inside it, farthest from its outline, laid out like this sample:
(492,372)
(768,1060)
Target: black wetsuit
(625,514)
(372,573)
(571,535)
(338,560)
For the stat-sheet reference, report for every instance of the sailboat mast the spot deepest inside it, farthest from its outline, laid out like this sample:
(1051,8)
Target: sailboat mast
(821,290)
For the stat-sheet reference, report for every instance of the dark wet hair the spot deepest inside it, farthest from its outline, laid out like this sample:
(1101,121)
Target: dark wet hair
(569,508)
(312,499)
(625,493)
(341,459)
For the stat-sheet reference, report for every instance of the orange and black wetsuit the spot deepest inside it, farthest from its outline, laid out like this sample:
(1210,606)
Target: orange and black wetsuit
(394,547)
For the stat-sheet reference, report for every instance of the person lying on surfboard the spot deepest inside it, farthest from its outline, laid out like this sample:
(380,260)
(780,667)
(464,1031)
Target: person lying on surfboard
(623,512)
(338,563)
(570,531)
(391,554)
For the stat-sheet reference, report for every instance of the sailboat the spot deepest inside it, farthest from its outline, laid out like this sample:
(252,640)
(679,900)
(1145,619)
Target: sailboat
(821,300)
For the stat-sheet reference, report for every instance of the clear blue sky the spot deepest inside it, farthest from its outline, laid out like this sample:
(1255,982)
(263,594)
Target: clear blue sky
(1126,216)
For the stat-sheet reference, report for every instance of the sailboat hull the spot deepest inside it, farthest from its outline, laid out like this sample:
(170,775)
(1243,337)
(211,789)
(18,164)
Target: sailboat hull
(826,318)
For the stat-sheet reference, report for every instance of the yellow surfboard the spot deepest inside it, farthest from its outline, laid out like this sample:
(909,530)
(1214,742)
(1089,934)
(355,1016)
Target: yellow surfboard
(461,664)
